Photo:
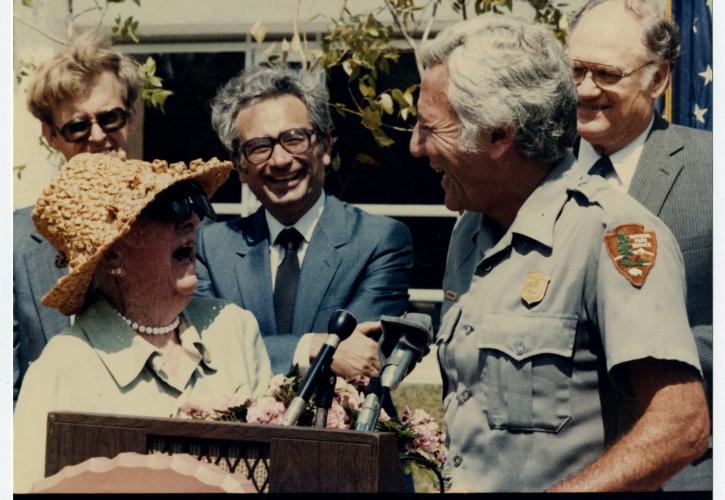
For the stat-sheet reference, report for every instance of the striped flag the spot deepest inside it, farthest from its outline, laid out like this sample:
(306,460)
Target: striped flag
(692,78)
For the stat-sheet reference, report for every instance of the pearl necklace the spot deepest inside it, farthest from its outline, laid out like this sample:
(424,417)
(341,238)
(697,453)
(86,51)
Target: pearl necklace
(153,330)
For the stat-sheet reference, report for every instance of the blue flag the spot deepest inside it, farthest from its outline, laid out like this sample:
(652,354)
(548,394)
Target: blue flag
(692,78)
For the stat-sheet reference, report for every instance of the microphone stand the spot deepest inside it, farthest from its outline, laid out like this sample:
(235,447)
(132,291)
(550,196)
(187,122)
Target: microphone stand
(323,397)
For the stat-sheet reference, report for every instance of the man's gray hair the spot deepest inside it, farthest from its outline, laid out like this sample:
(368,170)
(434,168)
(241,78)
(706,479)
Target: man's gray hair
(259,83)
(504,71)
(660,37)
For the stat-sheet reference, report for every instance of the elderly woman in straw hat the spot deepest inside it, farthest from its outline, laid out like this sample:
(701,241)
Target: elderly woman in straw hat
(139,344)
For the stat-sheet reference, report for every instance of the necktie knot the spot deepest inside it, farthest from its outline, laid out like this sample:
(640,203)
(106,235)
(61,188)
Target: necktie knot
(602,167)
(289,239)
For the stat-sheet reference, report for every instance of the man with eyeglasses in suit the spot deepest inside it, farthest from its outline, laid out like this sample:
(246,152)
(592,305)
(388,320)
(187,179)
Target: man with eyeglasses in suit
(84,98)
(622,54)
(276,124)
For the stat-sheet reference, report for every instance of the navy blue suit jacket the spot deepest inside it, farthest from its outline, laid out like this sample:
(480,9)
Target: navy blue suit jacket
(34,274)
(356,261)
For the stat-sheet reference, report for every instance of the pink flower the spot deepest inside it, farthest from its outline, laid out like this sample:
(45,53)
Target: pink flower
(193,411)
(337,417)
(429,440)
(265,410)
(348,395)
(208,408)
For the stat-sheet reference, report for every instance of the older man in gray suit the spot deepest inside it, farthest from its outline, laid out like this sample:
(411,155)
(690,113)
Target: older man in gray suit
(622,55)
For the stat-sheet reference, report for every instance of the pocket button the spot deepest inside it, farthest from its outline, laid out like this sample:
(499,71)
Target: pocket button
(466,395)
(519,348)
(467,329)
(457,461)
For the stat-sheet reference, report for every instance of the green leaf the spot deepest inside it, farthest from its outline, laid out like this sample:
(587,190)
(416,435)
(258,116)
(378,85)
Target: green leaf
(382,139)
(365,89)
(19,170)
(386,102)
(398,96)
(371,118)
(366,159)
(150,65)
(336,162)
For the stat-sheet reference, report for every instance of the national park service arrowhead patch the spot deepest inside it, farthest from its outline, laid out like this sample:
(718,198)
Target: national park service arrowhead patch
(633,251)
(535,287)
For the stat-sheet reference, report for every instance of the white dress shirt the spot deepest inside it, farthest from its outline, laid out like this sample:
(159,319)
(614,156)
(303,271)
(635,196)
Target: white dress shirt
(305,225)
(625,160)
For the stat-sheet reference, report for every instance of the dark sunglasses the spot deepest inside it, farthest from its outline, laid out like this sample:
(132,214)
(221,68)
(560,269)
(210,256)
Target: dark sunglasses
(176,203)
(259,149)
(79,129)
(603,75)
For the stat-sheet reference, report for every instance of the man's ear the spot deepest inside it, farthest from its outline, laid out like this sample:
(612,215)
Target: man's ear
(660,79)
(241,171)
(499,142)
(51,137)
(327,151)
(131,123)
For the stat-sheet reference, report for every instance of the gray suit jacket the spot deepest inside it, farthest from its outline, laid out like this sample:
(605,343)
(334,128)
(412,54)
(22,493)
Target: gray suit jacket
(356,261)
(34,273)
(674,180)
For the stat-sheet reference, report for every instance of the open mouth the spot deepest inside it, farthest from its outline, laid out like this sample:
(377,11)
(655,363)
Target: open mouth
(184,253)
(287,178)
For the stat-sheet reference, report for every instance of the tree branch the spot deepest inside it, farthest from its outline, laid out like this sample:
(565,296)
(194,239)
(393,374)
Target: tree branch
(39,30)
(296,34)
(429,25)
(89,9)
(405,34)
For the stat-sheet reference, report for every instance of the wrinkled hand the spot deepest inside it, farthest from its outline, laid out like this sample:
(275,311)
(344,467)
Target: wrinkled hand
(356,355)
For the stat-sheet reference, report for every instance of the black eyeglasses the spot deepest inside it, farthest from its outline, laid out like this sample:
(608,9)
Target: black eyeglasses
(176,203)
(603,75)
(79,129)
(258,150)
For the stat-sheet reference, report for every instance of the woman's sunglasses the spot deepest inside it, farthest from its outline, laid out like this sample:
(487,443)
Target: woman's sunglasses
(79,129)
(176,203)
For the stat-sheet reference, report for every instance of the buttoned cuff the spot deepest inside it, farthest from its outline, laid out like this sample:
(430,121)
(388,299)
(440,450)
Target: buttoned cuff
(302,354)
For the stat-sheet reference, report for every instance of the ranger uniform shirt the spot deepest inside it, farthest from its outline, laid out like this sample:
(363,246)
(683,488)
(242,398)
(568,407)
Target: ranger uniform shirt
(536,324)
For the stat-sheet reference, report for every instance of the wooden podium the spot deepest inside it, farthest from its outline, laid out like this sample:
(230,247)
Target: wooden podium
(276,458)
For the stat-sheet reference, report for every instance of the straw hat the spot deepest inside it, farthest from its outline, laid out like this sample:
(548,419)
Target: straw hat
(94,201)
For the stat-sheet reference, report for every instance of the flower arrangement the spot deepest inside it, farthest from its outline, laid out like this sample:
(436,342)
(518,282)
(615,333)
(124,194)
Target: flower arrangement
(421,442)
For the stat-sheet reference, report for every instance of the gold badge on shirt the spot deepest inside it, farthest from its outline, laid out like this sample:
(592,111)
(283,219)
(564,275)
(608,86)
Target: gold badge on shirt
(633,251)
(535,287)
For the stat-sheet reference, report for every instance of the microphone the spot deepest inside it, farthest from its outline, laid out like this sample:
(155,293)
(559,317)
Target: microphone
(340,327)
(405,341)
(414,339)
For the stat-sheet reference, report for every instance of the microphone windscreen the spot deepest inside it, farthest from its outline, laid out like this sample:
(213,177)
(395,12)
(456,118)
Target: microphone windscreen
(342,323)
(413,329)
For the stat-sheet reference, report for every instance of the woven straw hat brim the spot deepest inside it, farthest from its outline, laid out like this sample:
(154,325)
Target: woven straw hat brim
(69,293)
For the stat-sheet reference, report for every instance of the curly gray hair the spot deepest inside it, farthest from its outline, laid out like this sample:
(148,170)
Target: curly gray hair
(259,83)
(660,37)
(505,71)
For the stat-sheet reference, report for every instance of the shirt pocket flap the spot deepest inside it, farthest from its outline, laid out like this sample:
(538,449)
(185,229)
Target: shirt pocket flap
(522,337)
